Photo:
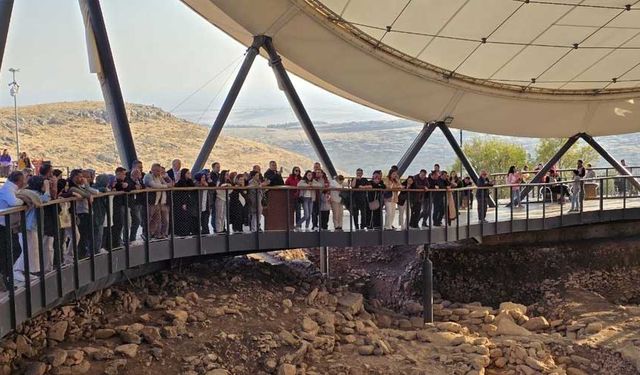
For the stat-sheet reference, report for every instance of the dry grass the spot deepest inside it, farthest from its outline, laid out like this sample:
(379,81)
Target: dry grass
(76,134)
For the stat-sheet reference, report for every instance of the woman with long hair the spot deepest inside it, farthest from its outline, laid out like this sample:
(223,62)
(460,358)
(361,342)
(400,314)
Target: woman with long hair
(185,208)
(514,179)
(308,197)
(238,205)
(406,202)
(295,202)
(391,198)
(375,200)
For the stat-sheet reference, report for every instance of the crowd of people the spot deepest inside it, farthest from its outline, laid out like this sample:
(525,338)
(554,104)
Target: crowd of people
(240,201)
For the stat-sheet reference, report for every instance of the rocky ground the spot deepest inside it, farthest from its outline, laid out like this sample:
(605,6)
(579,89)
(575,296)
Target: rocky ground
(246,316)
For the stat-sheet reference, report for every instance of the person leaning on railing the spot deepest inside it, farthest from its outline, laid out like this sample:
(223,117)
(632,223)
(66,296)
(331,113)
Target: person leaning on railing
(8,199)
(79,188)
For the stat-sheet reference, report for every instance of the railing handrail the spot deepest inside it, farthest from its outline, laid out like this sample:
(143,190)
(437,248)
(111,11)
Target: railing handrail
(296,188)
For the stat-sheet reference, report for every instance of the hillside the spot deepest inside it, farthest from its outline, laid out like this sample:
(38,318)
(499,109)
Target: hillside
(77,134)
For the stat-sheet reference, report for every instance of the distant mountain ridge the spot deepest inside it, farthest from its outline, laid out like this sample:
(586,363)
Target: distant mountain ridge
(77,134)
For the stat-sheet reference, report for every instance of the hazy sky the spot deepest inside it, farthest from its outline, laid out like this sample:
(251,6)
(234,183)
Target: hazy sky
(163,52)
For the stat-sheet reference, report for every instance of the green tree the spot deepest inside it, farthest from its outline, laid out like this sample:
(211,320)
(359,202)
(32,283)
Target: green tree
(493,155)
(547,147)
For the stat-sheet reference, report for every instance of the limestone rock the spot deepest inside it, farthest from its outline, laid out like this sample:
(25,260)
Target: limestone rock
(105,333)
(510,306)
(509,327)
(35,368)
(593,328)
(58,331)
(536,324)
(129,350)
(218,371)
(56,357)
(366,349)
(287,369)
(351,302)
(179,315)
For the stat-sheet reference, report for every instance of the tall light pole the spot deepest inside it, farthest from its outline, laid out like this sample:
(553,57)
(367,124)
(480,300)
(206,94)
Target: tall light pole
(13,91)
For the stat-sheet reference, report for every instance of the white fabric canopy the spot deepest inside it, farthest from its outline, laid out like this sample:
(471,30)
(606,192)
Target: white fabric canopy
(545,68)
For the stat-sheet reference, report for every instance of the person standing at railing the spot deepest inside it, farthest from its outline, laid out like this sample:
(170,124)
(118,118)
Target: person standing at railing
(467,195)
(255,200)
(308,197)
(157,200)
(337,207)
(119,207)
(422,182)
(576,191)
(212,180)
(24,162)
(295,202)
(174,172)
(514,179)
(100,208)
(406,203)
(221,201)
(8,199)
(207,199)
(5,163)
(238,205)
(36,193)
(438,194)
(482,195)
(136,202)
(392,181)
(185,205)
(375,200)
(359,204)
(79,188)
(50,212)
(325,202)
(318,183)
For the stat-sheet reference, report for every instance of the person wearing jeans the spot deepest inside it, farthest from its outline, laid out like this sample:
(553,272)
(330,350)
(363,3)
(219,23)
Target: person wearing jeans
(308,197)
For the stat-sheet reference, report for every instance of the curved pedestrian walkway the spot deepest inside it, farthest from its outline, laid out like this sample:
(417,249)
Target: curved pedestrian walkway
(79,276)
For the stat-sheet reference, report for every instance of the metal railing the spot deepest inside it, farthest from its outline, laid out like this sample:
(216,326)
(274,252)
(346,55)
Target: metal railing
(53,249)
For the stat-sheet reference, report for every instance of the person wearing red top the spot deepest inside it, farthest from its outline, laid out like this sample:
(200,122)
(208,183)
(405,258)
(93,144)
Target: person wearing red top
(295,202)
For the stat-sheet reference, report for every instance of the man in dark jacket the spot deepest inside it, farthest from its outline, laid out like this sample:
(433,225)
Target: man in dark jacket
(483,195)
(422,182)
(137,206)
(360,206)
(437,197)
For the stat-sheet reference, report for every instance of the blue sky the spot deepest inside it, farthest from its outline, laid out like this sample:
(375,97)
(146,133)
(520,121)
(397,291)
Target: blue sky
(163,52)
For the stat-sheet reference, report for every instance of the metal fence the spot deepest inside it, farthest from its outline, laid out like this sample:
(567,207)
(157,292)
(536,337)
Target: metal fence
(54,249)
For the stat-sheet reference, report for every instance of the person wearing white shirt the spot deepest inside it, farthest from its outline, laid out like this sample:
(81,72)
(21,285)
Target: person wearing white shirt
(336,201)
(8,199)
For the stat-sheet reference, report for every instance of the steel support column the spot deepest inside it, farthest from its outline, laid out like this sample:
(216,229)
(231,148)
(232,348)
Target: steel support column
(324,260)
(463,158)
(99,47)
(6,8)
(610,159)
(229,101)
(298,108)
(427,292)
(541,173)
(415,147)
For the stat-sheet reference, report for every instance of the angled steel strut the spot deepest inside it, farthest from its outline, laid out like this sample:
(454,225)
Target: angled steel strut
(101,62)
(422,138)
(285,84)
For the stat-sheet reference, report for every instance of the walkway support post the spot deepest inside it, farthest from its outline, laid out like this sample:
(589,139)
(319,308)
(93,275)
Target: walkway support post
(296,104)
(547,167)
(324,261)
(427,292)
(6,8)
(101,62)
(461,155)
(610,159)
(229,101)
(415,147)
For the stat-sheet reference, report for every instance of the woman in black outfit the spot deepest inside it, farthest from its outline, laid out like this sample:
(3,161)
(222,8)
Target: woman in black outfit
(375,200)
(185,207)
(238,205)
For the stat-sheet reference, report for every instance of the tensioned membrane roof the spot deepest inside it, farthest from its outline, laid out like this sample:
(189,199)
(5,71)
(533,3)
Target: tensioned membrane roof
(539,68)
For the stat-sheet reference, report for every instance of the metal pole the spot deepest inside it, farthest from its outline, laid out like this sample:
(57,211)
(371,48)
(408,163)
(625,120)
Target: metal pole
(106,70)
(14,88)
(427,293)
(216,128)
(538,177)
(415,147)
(298,108)
(610,159)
